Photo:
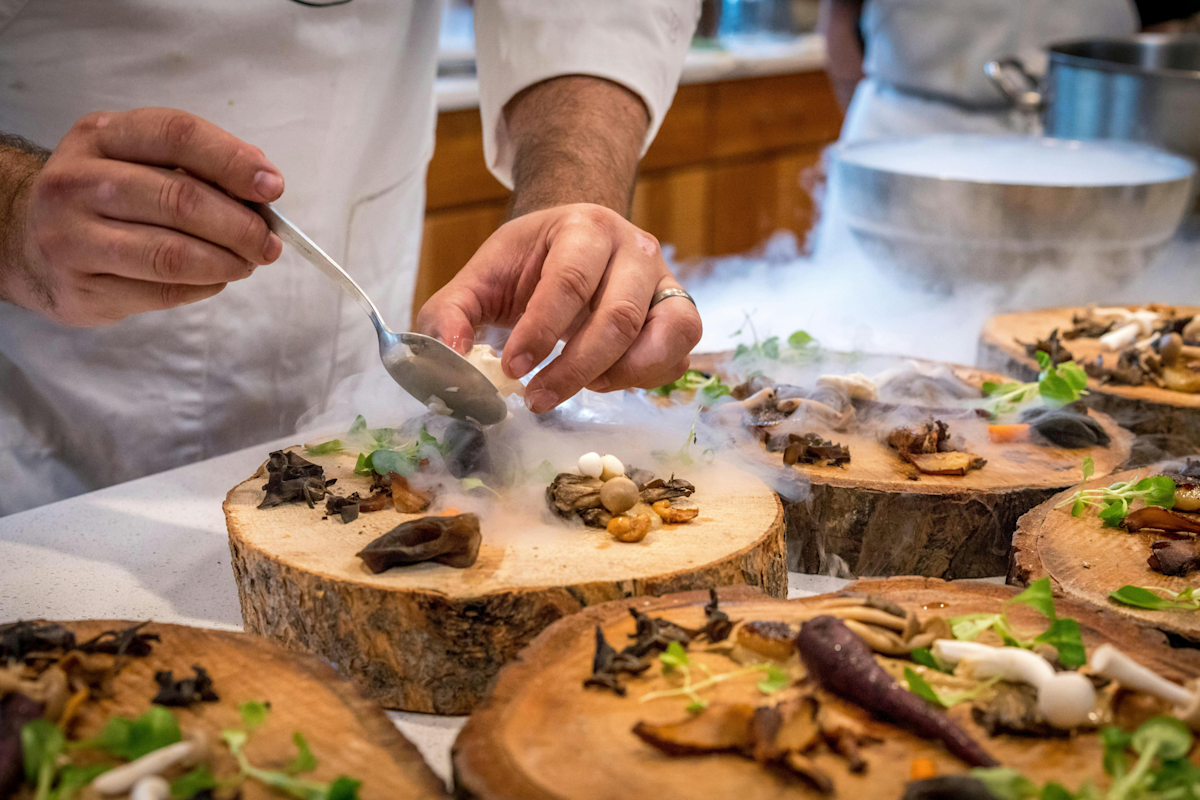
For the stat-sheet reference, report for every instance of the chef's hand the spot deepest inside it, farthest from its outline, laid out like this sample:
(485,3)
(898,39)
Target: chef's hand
(568,266)
(581,273)
(130,213)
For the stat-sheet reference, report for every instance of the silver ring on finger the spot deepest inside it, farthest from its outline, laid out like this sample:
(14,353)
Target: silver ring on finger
(665,293)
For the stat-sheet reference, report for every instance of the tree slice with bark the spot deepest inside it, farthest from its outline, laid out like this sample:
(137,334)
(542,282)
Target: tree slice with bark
(348,733)
(1167,423)
(879,516)
(540,735)
(1085,560)
(430,637)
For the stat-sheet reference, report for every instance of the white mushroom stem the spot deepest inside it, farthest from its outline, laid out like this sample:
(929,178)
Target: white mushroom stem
(123,778)
(152,787)
(1098,311)
(1112,663)
(1140,323)
(1065,699)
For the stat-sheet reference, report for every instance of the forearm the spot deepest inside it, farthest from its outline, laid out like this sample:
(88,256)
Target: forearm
(20,162)
(576,140)
(838,22)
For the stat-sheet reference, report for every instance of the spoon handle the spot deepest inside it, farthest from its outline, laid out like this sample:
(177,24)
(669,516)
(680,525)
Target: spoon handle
(289,233)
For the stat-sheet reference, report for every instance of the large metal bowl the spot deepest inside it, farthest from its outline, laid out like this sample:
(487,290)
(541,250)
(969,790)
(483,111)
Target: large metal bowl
(952,206)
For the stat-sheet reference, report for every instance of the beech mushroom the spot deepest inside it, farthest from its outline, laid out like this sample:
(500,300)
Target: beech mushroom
(1112,663)
(152,787)
(1065,699)
(619,495)
(122,779)
(1139,323)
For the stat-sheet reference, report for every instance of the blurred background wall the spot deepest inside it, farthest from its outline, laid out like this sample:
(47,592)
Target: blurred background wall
(735,159)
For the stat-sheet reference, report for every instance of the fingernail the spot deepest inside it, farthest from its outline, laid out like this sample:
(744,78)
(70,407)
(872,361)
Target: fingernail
(520,365)
(601,384)
(540,401)
(269,184)
(273,249)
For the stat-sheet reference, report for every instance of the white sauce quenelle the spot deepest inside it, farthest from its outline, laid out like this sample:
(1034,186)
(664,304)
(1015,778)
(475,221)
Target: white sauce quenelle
(613,467)
(484,358)
(591,465)
(1065,699)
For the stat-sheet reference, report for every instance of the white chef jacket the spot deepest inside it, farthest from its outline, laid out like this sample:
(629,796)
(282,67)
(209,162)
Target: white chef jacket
(924,59)
(341,99)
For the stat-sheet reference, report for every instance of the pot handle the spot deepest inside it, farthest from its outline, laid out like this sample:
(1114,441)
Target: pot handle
(1015,83)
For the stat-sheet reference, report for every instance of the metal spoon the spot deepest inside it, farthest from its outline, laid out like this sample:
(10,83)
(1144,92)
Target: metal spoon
(423,366)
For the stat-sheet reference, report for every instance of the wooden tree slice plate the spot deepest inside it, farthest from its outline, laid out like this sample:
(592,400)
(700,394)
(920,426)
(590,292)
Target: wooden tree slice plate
(871,518)
(1167,423)
(1085,561)
(349,734)
(541,736)
(430,637)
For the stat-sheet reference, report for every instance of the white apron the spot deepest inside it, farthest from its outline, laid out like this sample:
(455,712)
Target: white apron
(341,100)
(924,59)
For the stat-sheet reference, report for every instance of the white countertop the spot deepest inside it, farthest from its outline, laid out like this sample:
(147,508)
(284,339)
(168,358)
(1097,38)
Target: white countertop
(156,548)
(735,59)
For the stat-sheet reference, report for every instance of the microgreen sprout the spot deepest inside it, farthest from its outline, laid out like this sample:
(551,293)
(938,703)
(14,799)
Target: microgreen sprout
(921,687)
(254,714)
(1114,501)
(1062,633)
(1057,387)
(1146,597)
(675,661)
(708,388)
(1162,770)
(801,346)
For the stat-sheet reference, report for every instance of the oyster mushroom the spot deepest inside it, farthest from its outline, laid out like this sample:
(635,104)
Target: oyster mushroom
(569,493)
(453,541)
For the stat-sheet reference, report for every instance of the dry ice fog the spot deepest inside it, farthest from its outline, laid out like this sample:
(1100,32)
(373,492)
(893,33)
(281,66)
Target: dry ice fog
(864,315)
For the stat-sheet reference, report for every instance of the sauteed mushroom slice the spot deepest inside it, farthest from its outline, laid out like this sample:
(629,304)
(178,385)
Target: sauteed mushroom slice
(453,541)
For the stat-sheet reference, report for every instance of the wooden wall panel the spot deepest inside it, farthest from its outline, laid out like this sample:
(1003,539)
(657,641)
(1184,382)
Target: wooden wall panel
(672,205)
(450,239)
(725,171)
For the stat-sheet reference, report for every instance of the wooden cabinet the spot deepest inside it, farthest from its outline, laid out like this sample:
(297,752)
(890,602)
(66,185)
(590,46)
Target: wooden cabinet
(729,167)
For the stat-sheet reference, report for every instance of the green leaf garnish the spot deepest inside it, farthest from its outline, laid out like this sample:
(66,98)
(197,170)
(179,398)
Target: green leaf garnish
(189,785)
(1064,636)
(1146,597)
(42,742)
(1114,501)
(1037,595)
(304,761)
(325,448)
(777,680)
(1057,387)
(254,713)
(133,738)
(800,340)
(924,657)
(921,688)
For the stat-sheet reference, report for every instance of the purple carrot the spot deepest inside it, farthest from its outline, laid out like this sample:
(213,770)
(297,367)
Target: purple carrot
(842,663)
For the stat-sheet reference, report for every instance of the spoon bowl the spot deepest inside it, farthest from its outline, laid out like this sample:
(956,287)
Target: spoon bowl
(424,367)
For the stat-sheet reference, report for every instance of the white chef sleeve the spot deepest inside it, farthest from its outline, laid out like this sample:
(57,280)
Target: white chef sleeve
(639,44)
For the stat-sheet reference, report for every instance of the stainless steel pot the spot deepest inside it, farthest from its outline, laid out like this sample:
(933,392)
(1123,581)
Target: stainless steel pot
(1142,88)
(952,207)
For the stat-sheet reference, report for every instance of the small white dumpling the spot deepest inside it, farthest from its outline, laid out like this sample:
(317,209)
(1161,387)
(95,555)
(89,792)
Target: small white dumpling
(484,358)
